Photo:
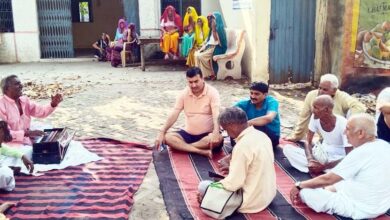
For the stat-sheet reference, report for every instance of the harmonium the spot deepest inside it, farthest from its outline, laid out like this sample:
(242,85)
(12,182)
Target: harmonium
(52,147)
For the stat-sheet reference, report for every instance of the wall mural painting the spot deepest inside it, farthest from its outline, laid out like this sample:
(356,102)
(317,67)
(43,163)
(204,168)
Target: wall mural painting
(371,23)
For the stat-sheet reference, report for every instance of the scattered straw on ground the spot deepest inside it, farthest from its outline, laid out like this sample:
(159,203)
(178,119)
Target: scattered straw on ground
(43,91)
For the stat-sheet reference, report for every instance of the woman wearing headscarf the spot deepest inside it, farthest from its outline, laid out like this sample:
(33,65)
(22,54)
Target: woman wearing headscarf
(129,35)
(133,39)
(216,44)
(120,29)
(189,28)
(201,34)
(118,35)
(171,28)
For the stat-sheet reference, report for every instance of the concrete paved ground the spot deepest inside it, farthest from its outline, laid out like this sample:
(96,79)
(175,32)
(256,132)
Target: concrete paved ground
(127,104)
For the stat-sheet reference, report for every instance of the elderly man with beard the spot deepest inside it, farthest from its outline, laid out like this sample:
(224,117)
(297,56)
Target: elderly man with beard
(201,104)
(358,187)
(343,104)
(331,127)
(17,110)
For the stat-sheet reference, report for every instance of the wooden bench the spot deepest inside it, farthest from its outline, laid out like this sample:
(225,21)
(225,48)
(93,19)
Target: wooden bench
(146,41)
(156,40)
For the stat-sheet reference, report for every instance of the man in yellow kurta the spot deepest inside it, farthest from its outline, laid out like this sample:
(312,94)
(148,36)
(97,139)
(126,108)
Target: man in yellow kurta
(252,164)
(344,104)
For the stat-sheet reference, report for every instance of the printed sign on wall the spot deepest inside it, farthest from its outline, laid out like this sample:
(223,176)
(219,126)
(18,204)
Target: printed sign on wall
(371,27)
(242,4)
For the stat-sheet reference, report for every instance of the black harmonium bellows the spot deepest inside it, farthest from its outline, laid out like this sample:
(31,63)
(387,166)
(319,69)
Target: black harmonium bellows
(51,149)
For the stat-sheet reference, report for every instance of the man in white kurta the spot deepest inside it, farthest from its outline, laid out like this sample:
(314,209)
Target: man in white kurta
(331,127)
(358,187)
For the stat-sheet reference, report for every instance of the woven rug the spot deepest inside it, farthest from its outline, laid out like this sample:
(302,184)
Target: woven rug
(180,173)
(98,190)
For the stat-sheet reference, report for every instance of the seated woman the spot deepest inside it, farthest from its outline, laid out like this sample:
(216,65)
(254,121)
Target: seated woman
(129,35)
(100,47)
(216,44)
(133,39)
(7,180)
(189,28)
(201,33)
(171,28)
(118,35)
(120,30)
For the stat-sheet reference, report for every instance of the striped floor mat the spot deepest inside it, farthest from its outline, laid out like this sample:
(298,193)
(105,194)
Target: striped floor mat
(180,173)
(98,190)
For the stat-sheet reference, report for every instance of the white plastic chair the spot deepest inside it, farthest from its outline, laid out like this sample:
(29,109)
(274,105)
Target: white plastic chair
(229,64)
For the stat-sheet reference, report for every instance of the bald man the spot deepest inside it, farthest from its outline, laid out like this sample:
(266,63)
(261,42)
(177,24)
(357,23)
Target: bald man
(358,187)
(343,104)
(334,146)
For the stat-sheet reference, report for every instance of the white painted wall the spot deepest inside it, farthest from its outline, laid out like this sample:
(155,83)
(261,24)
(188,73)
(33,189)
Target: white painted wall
(23,45)
(26,30)
(210,6)
(256,23)
(149,16)
(7,48)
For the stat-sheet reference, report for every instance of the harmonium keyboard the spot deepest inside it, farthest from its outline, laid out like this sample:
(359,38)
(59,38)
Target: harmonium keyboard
(52,147)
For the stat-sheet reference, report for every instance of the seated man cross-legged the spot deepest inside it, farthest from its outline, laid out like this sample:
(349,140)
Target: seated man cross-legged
(262,112)
(358,187)
(201,104)
(331,127)
(251,166)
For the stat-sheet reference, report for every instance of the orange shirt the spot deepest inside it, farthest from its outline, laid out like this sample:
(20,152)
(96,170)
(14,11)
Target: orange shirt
(198,110)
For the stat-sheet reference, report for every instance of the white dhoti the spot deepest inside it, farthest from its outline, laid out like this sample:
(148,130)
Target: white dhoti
(322,200)
(297,157)
(7,180)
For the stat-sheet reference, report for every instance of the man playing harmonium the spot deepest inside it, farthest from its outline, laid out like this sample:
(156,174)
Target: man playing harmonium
(17,110)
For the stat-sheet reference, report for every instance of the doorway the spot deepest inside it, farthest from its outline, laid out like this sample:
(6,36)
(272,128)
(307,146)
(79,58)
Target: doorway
(68,28)
(292,40)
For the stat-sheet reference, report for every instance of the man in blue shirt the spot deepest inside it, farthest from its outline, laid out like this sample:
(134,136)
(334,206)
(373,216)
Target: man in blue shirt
(262,111)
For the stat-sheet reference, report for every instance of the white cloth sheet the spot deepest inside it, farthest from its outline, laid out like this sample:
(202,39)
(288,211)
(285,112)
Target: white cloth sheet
(7,180)
(76,155)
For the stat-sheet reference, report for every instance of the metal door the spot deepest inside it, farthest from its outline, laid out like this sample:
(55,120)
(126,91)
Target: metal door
(292,43)
(55,28)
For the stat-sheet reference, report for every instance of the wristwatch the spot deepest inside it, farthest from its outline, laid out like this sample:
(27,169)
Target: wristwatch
(298,185)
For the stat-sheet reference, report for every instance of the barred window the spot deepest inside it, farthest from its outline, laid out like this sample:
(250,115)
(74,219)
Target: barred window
(82,11)
(6,19)
(181,6)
